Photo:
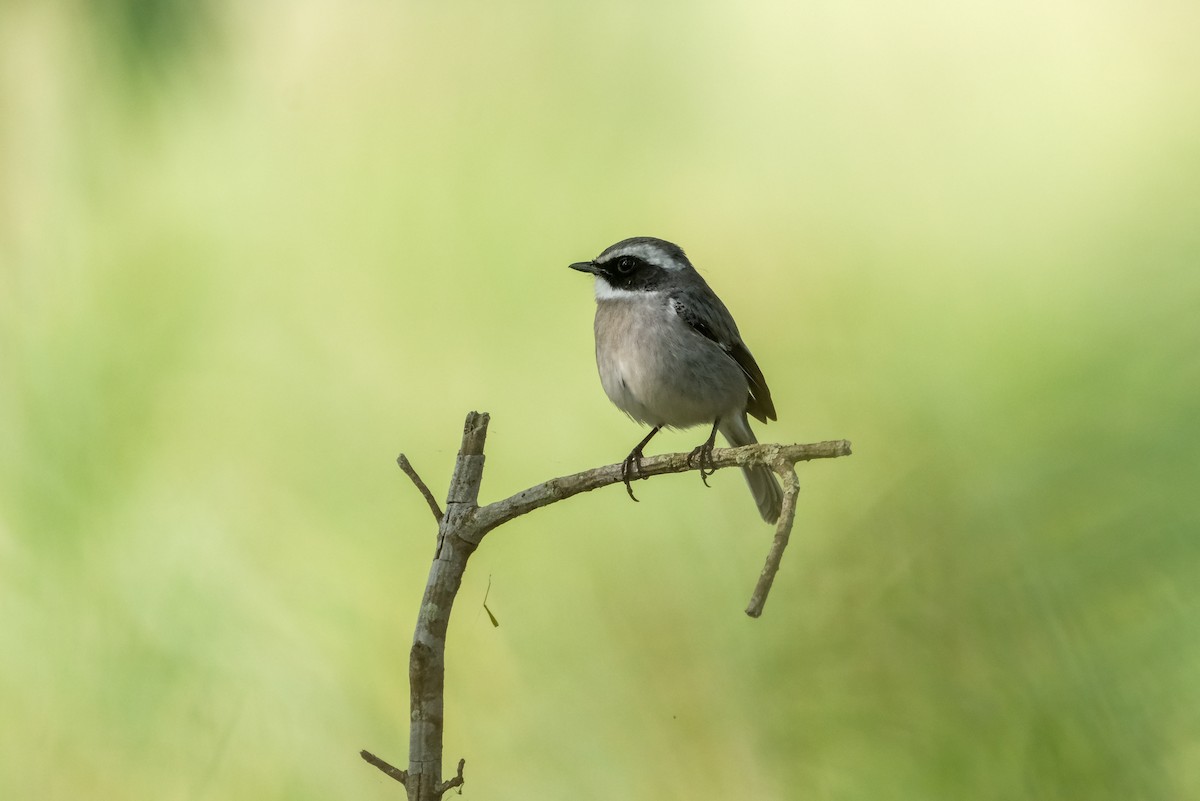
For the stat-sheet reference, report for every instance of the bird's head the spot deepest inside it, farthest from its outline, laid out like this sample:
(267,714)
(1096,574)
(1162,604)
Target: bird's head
(639,264)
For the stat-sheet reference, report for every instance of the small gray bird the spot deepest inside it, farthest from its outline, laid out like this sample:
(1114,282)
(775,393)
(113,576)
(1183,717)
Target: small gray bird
(670,355)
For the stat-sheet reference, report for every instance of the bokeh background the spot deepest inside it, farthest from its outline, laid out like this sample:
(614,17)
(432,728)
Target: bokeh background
(249,252)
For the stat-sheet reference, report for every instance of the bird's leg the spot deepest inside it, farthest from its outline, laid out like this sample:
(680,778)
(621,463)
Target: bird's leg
(633,462)
(703,452)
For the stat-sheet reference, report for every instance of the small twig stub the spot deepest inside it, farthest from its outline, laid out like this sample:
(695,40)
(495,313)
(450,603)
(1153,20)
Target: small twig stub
(388,768)
(457,781)
(411,472)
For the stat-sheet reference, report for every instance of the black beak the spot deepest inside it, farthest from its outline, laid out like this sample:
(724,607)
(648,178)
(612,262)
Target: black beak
(586,267)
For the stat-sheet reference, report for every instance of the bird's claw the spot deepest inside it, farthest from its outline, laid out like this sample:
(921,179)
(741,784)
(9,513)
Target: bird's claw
(633,462)
(702,453)
(631,465)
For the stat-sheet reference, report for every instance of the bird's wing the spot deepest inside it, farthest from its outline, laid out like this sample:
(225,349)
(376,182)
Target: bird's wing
(709,318)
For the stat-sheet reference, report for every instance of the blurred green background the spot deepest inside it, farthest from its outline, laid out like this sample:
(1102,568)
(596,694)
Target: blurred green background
(250,252)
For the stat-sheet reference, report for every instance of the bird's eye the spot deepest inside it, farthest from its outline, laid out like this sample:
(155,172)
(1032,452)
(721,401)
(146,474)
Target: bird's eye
(625,265)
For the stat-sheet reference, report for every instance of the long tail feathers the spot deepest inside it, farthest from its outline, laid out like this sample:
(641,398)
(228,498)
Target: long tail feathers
(768,495)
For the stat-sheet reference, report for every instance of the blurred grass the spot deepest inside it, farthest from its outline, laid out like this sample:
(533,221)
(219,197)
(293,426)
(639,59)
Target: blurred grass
(962,237)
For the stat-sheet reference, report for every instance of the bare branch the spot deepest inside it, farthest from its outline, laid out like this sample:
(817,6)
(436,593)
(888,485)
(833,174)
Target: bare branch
(427,658)
(783,532)
(391,770)
(557,489)
(411,472)
(463,526)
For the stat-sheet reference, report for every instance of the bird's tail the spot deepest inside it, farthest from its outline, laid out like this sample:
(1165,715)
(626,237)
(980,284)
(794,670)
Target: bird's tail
(763,485)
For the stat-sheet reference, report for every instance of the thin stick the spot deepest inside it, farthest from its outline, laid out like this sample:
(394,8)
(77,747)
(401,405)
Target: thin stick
(411,472)
(563,487)
(391,770)
(783,532)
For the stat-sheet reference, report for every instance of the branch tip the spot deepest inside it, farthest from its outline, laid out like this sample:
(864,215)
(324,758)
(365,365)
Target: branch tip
(475,433)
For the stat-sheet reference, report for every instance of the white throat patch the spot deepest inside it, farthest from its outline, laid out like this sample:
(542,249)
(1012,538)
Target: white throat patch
(606,291)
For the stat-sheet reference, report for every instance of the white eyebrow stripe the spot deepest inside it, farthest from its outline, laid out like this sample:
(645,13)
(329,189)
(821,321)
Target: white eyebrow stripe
(650,254)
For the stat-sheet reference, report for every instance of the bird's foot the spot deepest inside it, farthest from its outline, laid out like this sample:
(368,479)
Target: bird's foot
(633,462)
(630,468)
(703,455)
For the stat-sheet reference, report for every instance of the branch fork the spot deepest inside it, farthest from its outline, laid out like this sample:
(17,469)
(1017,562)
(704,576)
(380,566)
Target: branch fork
(463,525)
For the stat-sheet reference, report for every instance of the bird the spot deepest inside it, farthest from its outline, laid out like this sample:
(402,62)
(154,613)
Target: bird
(670,356)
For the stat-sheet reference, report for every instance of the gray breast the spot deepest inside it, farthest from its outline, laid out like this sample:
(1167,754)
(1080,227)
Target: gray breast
(659,370)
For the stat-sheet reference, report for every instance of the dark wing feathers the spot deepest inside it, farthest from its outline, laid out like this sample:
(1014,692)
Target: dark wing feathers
(689,316)
(760,405)
(713,321)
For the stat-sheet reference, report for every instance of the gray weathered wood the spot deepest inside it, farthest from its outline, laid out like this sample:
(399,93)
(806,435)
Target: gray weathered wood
(463,526)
